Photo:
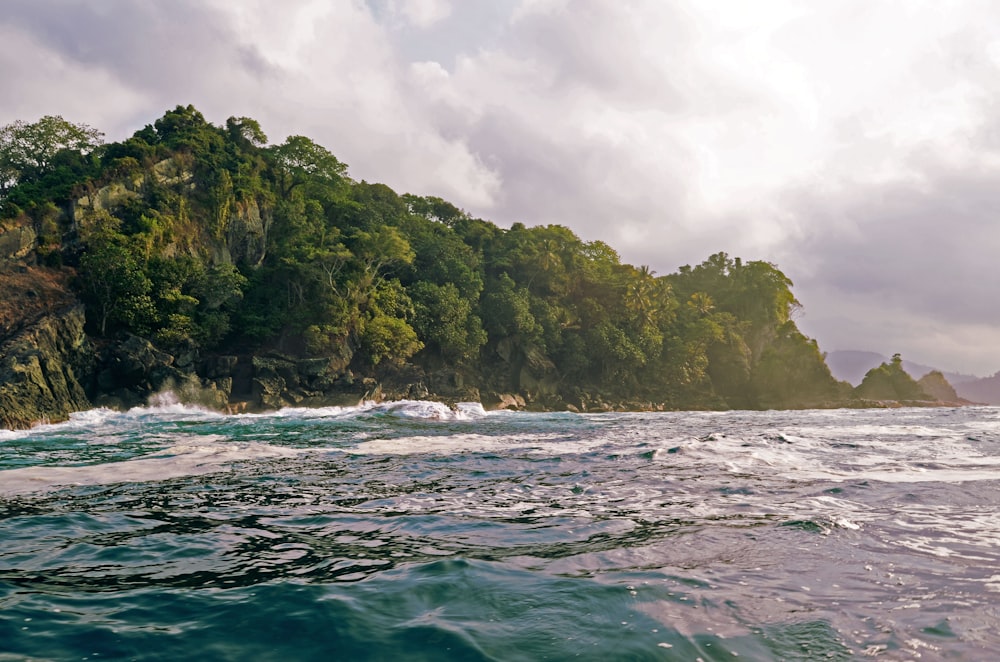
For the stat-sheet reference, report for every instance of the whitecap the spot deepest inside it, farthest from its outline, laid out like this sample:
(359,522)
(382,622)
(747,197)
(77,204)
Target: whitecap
(470,410)
(188,457)
(413,409)
(167,404)
(474,443)
(306,413)
(88,419)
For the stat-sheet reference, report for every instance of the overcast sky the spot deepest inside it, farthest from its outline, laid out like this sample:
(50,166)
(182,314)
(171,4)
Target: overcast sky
(854,143)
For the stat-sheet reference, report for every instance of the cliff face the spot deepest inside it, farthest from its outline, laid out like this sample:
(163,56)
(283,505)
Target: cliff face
(243,225)
(42,368)
(17,241)
(242,276)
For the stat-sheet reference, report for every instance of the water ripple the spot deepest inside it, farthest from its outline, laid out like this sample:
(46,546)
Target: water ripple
(408,532)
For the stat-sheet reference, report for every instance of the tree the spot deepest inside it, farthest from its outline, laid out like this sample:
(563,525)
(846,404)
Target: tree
(440,256)
(375,252)
(246,130)
(299,161)
(890,382)
(792,373)
(446,322)
(185,127)
(643,296)
(114,282)
(514,331)
(29,148)
(386,338)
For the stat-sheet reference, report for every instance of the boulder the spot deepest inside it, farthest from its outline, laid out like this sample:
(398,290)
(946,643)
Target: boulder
(503,401)
(17,242)
(42,369)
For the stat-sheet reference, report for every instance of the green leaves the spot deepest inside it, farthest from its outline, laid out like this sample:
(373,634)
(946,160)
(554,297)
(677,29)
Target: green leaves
(27,148)
(386,338)
(114,282)
(204,235)
(301,162)
(446,321)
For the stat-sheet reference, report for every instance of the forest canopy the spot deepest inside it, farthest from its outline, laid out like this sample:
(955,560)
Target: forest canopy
(207,238)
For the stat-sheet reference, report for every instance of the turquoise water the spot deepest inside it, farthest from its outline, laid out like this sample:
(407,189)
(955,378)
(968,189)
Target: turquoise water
(410,531)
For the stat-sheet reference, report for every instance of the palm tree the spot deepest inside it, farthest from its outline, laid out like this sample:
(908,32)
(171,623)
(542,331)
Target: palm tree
(640,296)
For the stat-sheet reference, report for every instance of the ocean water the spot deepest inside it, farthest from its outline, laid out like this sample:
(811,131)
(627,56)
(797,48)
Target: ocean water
(411,531)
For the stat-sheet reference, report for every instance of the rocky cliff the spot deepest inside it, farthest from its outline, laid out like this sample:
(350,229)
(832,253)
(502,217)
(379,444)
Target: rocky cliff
(42,370)
(245,276)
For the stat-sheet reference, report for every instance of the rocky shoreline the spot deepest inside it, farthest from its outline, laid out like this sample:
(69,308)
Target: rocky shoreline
(51,368)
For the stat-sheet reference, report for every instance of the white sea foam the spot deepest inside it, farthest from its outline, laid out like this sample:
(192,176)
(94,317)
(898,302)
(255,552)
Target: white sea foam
(307,413)
(549,443)
(430,410)
(189,456)
(83,419)
(888,453)
(167,405)
(471,409)
(8,435)
(412,409)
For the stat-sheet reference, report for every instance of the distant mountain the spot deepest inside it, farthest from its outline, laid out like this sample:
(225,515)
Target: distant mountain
(985,390)
(851,366)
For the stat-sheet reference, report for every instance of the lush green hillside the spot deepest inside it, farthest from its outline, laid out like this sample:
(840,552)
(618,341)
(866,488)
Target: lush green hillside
(210,242)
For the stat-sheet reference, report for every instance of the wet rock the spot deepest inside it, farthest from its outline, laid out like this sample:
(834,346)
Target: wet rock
(504,401)
(417,391)
(274,381)
(135,363)
(42,369)
(217,367)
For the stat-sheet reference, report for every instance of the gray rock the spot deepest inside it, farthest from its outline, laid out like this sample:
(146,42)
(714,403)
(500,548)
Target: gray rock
(41,370)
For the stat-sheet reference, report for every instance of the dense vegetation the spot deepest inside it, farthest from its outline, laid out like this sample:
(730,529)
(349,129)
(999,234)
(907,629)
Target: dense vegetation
(207,238)
(889,381)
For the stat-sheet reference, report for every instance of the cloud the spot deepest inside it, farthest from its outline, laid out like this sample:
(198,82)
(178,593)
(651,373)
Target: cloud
(852,143)
(904,266)
(55,85)
(421,13)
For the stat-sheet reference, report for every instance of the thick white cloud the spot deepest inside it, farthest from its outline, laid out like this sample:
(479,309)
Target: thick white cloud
(851,142)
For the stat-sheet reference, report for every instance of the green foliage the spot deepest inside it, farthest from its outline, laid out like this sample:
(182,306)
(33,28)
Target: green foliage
(792,373)
(890,382)
(440,256)
(185,128)
(936,385)
(301,163)
(194,303)
(245,132)
(388,338)
(30,150)
(506,311)
(234,241)
(446,322)
(114,282)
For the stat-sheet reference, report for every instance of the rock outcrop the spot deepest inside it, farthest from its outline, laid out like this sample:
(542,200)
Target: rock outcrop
(17,241)
(935,385)
(242,237)
(42,370)
(132,370)
(889,382)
